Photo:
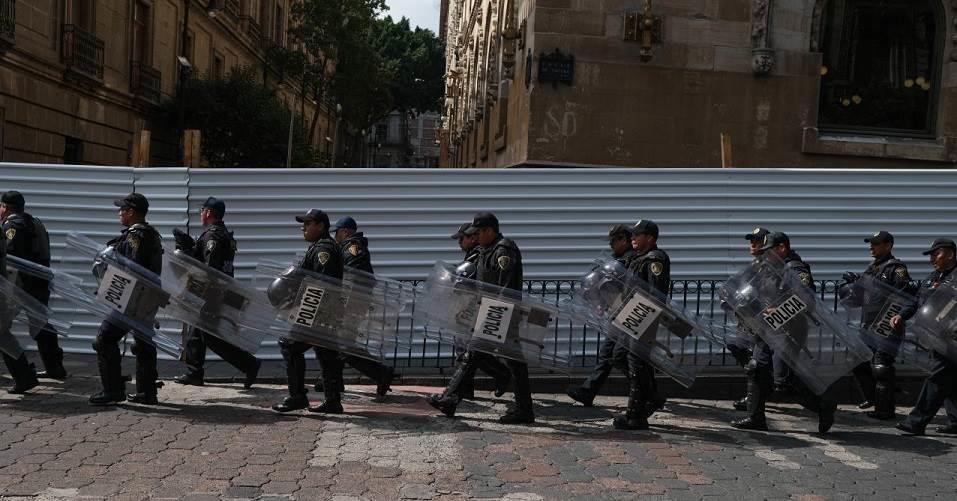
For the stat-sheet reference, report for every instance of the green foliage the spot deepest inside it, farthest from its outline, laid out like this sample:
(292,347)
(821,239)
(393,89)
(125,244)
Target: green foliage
(243,123)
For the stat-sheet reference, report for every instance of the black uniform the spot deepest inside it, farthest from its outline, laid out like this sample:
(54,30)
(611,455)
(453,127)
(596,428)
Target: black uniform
(215,247)
(27,238)
(760,373)
(876,377)
(654,267)
(607,358)
(355,254)
(322,257)
(142,244)
(940,387)
(23,373)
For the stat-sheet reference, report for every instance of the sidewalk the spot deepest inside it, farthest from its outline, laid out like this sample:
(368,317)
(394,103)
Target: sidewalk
(223,442)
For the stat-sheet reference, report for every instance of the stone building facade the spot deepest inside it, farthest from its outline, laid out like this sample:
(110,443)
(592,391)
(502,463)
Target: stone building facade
(803,83)
(80,78)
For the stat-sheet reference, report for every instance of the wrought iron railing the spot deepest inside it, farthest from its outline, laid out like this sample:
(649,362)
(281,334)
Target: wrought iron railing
(83,52)
(252,29)
(699,297)
(145,82)
(8,20)
(232,9)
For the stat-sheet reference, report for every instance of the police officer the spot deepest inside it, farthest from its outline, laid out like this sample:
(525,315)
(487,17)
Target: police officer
(27,238)
(488,364)
(876,377)
(741,347)
(759,370)
(215,247)
(354,248)
(499,263)
(619,240)
(654,266)
(142,244)
(22,371)
(940,387)
(323,257)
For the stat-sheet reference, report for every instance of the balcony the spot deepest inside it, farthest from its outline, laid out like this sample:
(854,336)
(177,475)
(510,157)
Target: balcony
(145,82)
(251,27)
(82,53)
(8,23)
(232,9)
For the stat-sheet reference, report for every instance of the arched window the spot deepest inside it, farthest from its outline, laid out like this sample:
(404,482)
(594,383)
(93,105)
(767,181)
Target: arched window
(881,69)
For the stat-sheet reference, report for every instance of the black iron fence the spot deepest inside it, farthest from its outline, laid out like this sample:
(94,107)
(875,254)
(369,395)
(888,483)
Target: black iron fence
(83,52)
(8,19)
(145,82)
(699,297)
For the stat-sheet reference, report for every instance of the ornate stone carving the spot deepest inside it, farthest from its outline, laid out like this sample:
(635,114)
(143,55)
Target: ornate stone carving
(762,55)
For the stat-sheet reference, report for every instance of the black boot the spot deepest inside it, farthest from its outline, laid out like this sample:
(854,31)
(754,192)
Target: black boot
(50,354)
(331,382)
(109,364)
(191,379)
(384,385)
(742,405)
(760,382)
(293,353)
(146,374)
(635,417)
(252,373)
(23,373)
(445,404)
(524,412)
(581,395)
(884,405)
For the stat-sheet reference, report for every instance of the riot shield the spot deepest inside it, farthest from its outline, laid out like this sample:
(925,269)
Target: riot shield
(377,306)
(491,319)
(935,323)
(36,315)
(311,308)
(127,294)
(869,305)
(807,335)
(648,323)
(230,310)
(13,301)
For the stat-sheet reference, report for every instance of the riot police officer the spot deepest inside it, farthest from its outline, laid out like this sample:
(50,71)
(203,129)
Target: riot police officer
(215,247)
(142,244)
(354,249)
(619,240)
(500,263)
(488,364)
(323,257)
(741,347)
(22,371)
(940,387)
(876,377)
(27,238)
(759,369)
(653,265)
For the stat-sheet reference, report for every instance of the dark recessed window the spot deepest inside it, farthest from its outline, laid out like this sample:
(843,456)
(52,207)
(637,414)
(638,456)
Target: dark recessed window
(73,151)
(881,66)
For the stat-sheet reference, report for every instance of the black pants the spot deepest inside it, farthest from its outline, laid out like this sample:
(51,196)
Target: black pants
(109,360)
(609,357)
(761,379)
(20,369)
(939,388)
(294,353)
(490,365)
(521,385)
(48,346)
(464,375)
(194,353)
(876,380)
(371,369)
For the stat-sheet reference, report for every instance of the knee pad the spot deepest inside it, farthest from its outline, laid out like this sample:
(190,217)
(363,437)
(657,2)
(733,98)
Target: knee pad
(883,372)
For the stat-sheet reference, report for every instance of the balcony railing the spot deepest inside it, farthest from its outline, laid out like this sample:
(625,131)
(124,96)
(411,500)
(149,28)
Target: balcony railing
(82,52)
(145,82)
(251,27)
(8,22)
(232,9)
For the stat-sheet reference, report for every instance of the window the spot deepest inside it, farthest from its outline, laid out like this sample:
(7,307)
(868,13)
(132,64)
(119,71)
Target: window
(881,66)
(279,31)
(219,65)
(141,32)
(82,14)
(3,121)
(73,151)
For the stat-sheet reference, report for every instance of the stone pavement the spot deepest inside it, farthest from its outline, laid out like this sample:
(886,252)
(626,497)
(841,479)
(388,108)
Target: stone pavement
(223,442)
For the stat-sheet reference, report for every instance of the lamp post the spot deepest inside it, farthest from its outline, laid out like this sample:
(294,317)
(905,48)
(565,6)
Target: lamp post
(335,136)
(185,66)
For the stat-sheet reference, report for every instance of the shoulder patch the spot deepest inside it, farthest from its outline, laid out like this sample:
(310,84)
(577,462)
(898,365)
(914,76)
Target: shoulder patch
(134,240)
(12,232)
(901,272)
(354,249)
(805,277)
(211,245)
(504,262)
(323,258)
(657,268)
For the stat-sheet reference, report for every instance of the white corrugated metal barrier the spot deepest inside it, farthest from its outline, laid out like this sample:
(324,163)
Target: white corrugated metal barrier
(559,217)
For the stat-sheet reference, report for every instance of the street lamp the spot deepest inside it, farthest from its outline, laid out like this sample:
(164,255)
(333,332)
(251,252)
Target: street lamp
(335,141)
(212,10)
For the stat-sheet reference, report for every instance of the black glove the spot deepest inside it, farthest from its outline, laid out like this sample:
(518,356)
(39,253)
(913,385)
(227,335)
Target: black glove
(850,277)
(184,242)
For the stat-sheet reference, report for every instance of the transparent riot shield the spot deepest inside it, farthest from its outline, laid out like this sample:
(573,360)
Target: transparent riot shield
(230,310)
(12,301)
(128,295)
(935,323)
(869,305)
(807,335)
(312,308)
(31,277)
(653,327)
(491,319)
(387,299)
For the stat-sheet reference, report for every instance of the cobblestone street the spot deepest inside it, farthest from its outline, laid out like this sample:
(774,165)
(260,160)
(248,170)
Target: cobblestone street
(223,442)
